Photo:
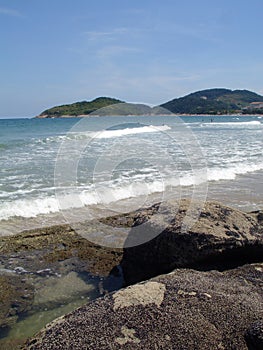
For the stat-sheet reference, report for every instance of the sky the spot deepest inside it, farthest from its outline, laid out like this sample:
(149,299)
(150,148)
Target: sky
(54,52)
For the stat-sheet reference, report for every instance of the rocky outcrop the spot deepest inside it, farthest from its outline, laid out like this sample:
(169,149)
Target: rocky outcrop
(185,309)
(41,248)
(221,238)
(55,259)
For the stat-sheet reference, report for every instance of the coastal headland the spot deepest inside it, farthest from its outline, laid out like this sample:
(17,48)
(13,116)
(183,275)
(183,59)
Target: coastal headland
(216,101)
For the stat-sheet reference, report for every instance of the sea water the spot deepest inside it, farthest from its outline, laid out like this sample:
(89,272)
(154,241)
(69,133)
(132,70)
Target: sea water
(119,158)
(58,170)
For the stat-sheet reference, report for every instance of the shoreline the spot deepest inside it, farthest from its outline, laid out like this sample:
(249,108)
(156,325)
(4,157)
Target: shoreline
(245,192)
(147,115)
(47,260)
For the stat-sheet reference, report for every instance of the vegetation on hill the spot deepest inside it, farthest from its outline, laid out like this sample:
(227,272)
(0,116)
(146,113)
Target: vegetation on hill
(102,106)
(125,109)
(211,101)
(214,101)
(80,108)
(253,111)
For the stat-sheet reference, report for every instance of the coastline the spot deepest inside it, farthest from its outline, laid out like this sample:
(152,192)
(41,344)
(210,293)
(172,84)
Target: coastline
(149,115)
(215,101)
(245,192)
(51,258)
(66,271)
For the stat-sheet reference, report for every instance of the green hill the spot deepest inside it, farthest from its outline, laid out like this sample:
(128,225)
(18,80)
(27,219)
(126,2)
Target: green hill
(125,109)
(79,108)
(211,101)
(103,106)
(215,101)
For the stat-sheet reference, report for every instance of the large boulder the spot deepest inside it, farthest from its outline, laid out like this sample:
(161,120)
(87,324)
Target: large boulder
(221,238)
(183,310)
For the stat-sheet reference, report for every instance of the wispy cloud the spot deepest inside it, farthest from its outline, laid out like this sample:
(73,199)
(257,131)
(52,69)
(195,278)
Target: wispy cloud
(111,34)
(10,12)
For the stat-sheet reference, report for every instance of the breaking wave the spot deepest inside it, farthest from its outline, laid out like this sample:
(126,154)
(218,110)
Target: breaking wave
(108,193)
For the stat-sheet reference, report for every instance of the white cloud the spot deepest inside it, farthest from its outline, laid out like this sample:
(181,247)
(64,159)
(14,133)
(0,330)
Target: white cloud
(10,12)
(111,34)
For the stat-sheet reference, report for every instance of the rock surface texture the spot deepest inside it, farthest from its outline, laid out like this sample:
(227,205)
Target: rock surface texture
(185,309)
(221,238)
(202,299)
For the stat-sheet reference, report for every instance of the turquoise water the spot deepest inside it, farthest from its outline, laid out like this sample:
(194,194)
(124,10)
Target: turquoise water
(134,156)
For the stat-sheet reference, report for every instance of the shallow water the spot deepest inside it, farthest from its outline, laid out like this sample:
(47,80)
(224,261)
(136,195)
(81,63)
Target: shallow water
(28,325)
(58,289)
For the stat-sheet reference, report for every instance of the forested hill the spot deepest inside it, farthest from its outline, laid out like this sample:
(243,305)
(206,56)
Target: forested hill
(79,108)
(216,101)
(211,101)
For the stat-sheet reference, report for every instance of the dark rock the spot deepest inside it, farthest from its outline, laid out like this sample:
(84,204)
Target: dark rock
(221,238)
(258,214)
(254,336)
(183,310)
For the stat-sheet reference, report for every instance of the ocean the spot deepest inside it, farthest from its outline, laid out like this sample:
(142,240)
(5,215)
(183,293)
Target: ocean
(58,170)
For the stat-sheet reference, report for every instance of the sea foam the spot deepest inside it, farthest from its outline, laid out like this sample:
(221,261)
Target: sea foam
(250,123)
(108,193)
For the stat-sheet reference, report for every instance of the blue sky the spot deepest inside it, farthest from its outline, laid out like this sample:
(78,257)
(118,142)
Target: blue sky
(150,51)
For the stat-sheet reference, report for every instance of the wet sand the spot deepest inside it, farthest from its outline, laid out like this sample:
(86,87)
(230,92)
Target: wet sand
(245,192)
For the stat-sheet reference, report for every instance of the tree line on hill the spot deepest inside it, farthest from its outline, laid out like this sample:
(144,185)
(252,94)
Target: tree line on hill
(211,101)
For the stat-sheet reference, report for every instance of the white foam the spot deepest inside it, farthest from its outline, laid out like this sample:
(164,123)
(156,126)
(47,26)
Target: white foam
(107,134)
(106,193)
(230,173)
(129,131)
(253,122)
(28,208)
(111,194)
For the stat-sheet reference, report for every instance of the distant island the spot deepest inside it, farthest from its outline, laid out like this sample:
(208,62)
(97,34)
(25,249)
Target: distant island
(211,101)
(79,108)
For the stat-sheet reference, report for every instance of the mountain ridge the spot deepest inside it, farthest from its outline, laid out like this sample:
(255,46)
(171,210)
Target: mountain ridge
(216,101)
